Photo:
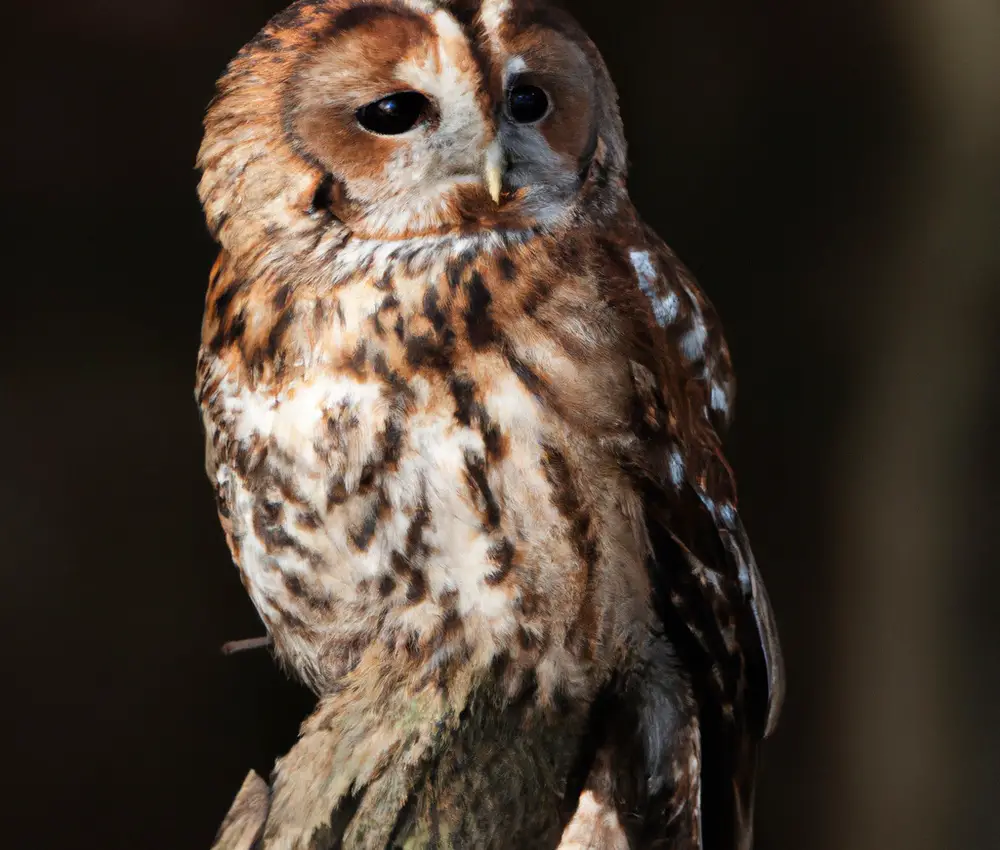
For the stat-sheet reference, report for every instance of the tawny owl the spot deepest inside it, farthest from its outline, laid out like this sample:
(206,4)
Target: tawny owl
(462,412)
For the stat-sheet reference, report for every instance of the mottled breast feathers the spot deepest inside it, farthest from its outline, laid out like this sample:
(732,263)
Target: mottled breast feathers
(462,413)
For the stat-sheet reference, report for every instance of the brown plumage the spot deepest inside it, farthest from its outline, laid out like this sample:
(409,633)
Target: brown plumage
(462,413)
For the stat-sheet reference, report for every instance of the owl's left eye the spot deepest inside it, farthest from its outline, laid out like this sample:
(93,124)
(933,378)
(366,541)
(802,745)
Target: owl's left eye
(527,104)
(395,114)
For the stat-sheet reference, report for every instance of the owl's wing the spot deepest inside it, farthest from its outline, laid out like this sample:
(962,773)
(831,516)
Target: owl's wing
(709,593)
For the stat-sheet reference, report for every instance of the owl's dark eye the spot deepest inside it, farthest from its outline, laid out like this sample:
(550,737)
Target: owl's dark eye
(527,104)
(394,114)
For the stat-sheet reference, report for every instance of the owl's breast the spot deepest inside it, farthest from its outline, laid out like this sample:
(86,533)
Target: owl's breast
(443,517)
(413,463)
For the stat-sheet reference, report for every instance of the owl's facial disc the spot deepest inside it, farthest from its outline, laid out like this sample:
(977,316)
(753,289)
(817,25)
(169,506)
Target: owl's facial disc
(427,126)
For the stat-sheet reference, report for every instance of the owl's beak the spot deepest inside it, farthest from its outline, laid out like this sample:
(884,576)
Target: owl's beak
(493,168)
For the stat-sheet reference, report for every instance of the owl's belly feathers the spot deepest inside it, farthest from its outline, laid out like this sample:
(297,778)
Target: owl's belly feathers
(410,465)
(431,519)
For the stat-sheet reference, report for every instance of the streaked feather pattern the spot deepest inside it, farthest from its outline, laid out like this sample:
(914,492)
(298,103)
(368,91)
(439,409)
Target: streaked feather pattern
(466,450)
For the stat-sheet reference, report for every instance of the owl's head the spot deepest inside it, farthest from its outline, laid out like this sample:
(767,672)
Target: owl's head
(393,119)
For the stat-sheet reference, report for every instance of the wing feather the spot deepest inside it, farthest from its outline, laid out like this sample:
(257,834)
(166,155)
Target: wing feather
(709,591)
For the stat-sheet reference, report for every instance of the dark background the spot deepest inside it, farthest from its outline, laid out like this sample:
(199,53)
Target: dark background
(830,171)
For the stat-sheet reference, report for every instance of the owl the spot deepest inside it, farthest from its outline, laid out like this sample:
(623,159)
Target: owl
(463,415)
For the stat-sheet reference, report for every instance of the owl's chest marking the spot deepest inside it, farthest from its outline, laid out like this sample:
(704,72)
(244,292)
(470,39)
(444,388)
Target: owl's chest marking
(400,482)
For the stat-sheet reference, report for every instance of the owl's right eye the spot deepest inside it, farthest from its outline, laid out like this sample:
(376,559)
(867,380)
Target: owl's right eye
(395,114)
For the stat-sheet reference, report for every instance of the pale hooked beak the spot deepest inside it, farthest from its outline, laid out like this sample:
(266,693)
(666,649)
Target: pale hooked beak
(493,168)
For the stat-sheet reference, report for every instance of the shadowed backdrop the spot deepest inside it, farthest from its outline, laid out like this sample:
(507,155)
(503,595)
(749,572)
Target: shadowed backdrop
(830,172)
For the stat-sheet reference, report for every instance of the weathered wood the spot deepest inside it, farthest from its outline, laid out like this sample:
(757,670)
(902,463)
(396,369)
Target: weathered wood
(247,816)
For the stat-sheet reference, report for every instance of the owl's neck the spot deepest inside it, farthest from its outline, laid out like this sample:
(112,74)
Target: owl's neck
(422,252)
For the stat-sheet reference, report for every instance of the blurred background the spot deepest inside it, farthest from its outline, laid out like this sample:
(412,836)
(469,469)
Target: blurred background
(831,173)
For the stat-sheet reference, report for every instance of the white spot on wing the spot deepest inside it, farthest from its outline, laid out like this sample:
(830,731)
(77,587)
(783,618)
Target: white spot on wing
(670,306)
(693,342)
(720,399)
(676,468)
(664,307)
(705,575)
